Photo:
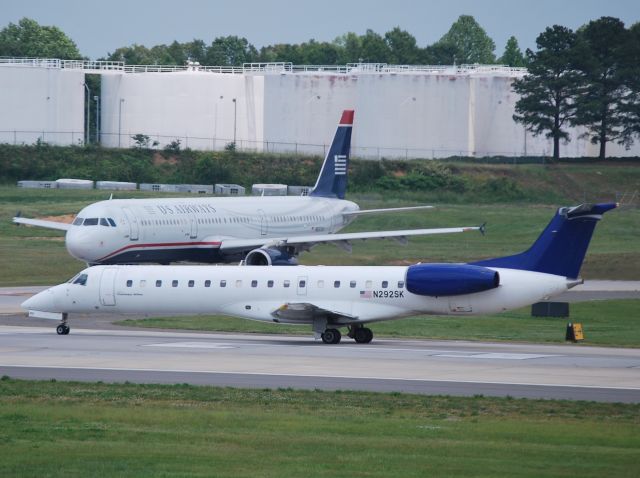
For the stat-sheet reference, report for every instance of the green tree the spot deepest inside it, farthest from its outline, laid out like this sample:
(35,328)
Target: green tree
(134,55)
(30,39)
(512,55)
(374,48)
(281,52)
(403,49)
(319,53)
(440,54)
(547,92)
(230,50)
(349,48)
(630,75)
(471,41)
(600,102)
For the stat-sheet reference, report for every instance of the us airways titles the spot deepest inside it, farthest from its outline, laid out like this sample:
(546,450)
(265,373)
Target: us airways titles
(187,209)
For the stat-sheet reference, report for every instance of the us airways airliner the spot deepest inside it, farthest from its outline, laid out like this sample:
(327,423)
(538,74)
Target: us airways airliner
(260,230)
(330,298)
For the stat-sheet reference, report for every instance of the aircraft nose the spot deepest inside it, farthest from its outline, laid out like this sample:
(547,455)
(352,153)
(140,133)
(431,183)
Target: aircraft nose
(79,245)
(44,301)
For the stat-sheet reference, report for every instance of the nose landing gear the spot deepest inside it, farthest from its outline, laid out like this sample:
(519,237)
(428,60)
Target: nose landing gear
(63,328)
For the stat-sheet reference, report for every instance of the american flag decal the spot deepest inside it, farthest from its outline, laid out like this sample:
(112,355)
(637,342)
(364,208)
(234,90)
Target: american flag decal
(365,294)
(340,164)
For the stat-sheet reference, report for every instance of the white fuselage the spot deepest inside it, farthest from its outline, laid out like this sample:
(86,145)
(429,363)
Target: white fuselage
(171,229)
(361,293)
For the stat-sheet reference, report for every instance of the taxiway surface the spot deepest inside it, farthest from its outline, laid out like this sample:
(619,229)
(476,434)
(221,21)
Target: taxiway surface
(425,367)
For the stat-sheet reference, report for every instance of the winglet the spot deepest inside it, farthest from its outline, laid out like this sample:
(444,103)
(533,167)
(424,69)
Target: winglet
(347,118)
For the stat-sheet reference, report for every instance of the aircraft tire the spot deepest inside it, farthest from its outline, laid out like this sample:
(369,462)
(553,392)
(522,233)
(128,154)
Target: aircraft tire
(331,336)
(363,335)
(67,329)
(62,329)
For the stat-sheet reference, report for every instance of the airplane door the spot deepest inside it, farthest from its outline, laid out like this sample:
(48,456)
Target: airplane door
(108,286)
(194,228)
(302,285)
(264,224)
(133,224)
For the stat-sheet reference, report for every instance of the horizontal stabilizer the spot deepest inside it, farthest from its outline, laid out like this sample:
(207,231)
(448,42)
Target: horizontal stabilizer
(382,211)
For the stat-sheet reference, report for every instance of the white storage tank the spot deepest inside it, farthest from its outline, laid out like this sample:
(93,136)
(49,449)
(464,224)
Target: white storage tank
(67,183)
(116,185)
(298,190)
(195,188)
(38,184)
(165,188)
(229,190)
(269,189)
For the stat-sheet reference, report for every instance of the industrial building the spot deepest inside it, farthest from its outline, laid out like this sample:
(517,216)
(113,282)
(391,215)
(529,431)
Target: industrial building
(401,111)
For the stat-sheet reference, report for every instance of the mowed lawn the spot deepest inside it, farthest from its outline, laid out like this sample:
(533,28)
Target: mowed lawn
(610,322)
(36,256)
(81,429)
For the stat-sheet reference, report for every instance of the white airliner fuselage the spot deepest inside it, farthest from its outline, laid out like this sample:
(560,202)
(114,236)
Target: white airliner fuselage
(197,229)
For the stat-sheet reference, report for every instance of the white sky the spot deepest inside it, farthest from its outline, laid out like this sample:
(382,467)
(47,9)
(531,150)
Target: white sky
(98,28)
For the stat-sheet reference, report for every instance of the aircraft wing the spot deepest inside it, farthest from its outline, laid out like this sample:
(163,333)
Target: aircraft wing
(302,243)
(60,226)
(305,311)
(378,211)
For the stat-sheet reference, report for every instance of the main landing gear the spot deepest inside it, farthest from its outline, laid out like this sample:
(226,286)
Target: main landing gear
(362,335)
(63,328)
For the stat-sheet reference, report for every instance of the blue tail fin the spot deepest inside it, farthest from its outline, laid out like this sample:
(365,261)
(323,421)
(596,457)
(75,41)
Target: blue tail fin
(332,181)
(561,247)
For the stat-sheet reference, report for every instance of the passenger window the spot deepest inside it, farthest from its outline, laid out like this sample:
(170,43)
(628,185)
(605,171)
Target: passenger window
(207,283)
(191,283)
(336,284)
(286,284)
(368,284)
(400,284)
(238,283)
(81,280)
(158,283)
(103,222)
(112,222)
(223,283)
(302,284)
(129,283)
(385,284)
(78,221)
(352,284)
(91,221)
(269,283)
(320,284)
(254,283)
(174,283)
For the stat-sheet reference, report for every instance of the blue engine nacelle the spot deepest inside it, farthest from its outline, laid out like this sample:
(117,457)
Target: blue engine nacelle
(439,280)
(269,257)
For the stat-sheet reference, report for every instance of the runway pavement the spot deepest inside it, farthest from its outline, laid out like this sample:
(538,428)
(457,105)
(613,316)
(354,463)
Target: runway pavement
(425,367)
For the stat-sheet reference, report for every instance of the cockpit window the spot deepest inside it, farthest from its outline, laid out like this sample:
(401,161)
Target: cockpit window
(103,222)
(78,221)
(91,221)
(112,222)
(81,279)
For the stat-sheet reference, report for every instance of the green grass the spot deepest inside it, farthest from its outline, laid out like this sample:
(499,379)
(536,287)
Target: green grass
(612,323)
(35,256)
(82,429)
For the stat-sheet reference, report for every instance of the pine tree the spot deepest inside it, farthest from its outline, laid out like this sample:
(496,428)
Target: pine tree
(512,54)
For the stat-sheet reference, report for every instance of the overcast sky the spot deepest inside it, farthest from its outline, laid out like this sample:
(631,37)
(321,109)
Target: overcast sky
(99,27)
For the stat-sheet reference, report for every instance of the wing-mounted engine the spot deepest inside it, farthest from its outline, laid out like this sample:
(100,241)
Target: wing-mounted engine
(270,256)
(438,280)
